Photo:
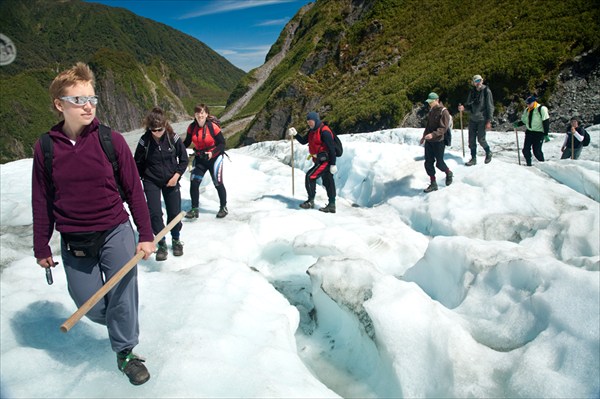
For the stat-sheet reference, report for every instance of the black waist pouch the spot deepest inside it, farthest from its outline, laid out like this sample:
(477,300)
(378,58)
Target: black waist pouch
(86,244)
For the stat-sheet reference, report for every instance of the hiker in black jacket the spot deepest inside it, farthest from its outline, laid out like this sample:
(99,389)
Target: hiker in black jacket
(161,159)
(573,131)
(480,105)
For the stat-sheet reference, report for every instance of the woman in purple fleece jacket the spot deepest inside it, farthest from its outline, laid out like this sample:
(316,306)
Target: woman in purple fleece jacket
(81,199)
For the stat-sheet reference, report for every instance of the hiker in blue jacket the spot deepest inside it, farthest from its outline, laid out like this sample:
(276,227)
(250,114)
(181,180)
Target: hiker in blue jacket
(162,159)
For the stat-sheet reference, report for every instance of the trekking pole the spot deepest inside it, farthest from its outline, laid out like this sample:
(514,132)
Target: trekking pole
(518,153)
(83,309)
(293,185)
(572,145)
(462,135)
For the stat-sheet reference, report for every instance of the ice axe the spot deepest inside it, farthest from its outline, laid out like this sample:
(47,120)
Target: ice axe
(83,309)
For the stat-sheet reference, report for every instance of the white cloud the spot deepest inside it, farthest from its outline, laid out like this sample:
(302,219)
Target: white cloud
(274,22)
(222,6)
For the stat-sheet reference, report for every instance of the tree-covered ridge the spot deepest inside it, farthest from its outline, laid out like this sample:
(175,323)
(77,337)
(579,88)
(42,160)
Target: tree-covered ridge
(366,63)
(138,63)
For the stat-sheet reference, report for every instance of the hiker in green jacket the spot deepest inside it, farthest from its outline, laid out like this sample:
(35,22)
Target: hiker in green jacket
(537,121)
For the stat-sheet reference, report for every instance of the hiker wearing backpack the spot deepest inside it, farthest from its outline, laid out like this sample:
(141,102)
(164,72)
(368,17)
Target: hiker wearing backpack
(537,122)
(161,159)
(480,105)
(77,193)
(580,135)
(438,122)
(209,148)
(321,146)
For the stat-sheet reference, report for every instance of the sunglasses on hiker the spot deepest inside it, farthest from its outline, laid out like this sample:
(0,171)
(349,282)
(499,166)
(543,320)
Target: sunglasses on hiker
(158,129)
(81,100)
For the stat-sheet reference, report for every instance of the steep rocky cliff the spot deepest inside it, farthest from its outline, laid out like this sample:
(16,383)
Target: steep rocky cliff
(367,65)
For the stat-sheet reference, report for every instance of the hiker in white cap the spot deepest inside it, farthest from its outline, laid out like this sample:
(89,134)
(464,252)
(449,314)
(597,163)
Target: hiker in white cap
(480,105)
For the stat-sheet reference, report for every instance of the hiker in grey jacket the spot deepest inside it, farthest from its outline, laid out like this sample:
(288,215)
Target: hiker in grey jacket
(480,104)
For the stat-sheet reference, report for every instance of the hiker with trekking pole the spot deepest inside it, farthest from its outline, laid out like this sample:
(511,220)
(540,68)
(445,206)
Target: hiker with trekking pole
(480,104)
(537,122)
(323,150)
(77,190)
(575,140)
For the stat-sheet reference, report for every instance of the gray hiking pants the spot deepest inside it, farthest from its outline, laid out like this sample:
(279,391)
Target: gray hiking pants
(477,134)
(118,310)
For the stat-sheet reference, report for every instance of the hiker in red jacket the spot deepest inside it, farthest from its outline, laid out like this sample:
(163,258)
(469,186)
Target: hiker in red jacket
(81,199)
(322,151)
(209,147)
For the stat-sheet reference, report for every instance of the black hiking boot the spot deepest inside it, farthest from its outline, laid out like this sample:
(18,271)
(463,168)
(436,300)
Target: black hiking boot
(133,367)
(308,204)
(449,177)
(432,187)
(192,213)
(488,157)
(222,212)
(177,247)
(330,208)
(161,252)
(472,162)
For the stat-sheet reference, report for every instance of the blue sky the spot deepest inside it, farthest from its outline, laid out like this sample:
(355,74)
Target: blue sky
(240,30)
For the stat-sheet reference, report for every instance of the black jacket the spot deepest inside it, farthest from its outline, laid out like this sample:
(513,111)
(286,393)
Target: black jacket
(158,162)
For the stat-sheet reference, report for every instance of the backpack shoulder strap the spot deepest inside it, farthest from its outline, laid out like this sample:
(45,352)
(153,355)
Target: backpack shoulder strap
(47,146)
(211,128)
(105,136)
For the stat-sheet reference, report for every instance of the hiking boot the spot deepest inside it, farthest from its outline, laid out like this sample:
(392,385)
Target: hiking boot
(432,187)
(449,177)
(222,212)
(488,157)
(308,204)
(177,247)
(192,213)
(161,252)
(330,208)
(472,162)
(133,367)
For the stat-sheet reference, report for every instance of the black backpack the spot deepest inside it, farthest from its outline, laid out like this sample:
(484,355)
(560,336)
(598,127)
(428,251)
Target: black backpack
(105,137)
(448,134)
(337,144)
(586,138)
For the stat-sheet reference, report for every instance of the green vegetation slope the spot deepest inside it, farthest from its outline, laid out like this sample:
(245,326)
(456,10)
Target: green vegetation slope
(365,64)
(138,63)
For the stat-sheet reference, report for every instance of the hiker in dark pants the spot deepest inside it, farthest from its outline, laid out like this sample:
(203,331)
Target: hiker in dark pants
(438,121)
(537,121)
(209,147)
(574,137)
(162,159)
(322,151)
(480,105)
(80,197)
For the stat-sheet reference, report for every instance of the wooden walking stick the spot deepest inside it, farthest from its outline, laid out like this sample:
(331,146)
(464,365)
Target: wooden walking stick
(293,185)
(75,317)
(518,153)
(572,145)
(462,135)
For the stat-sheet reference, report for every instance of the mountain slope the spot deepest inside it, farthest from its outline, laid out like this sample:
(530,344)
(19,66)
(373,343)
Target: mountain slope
(366,64)
(138,63)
